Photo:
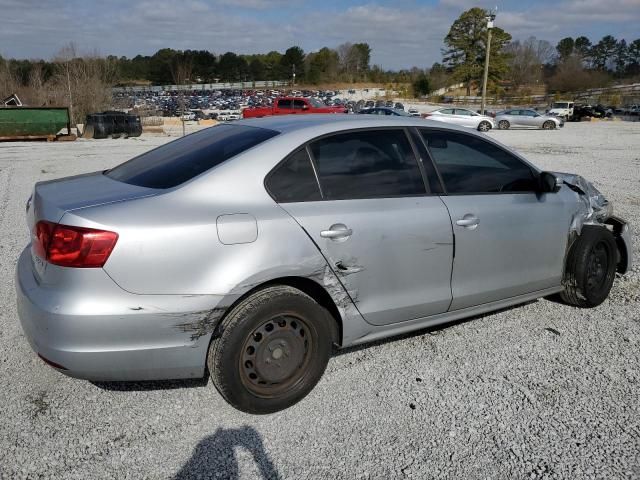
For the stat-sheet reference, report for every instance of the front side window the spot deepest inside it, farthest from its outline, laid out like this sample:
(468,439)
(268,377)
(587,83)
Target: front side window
(447,111)
(176,162)
(463,112)
(294,180)
(298,104)
(367,164)
(468,164)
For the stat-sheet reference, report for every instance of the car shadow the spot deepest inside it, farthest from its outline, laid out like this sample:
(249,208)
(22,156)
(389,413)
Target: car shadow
(215,456)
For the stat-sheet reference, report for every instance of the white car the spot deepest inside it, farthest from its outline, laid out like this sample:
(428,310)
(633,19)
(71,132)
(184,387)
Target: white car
(413,112)
(462,117)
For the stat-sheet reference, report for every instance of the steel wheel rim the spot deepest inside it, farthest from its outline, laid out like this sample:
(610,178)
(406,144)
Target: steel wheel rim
(275,355)
(597,266)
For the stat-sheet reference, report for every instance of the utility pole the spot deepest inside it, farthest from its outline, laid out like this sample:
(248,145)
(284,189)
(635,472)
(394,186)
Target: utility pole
(490,18)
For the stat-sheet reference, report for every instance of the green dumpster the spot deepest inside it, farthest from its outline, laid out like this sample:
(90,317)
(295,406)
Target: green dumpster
(23,123)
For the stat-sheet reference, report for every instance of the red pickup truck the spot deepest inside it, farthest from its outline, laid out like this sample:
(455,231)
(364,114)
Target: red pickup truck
(289,105)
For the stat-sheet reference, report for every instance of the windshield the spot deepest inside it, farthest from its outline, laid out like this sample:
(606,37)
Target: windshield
(560,105)
(316,103)
(176,162)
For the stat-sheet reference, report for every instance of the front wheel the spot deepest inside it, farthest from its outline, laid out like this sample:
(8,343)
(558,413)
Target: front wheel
(484,126)
(273,349)
(590,268)
(549,125)
(503,125)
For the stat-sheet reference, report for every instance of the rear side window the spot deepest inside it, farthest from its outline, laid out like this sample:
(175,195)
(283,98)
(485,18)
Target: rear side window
(468,164)
(176,162)
(367,164)
(294,180)
(284,103)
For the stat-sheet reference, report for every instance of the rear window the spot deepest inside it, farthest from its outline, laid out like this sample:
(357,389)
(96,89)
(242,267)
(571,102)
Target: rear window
(181,160)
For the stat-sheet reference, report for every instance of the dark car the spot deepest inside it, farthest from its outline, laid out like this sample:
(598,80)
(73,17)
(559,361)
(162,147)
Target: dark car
(384,111)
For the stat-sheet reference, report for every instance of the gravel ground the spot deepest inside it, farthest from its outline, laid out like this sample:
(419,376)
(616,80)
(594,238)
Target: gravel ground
(538,391)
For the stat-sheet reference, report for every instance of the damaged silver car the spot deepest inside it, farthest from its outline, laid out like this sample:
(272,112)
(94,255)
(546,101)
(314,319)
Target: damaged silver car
(253,249)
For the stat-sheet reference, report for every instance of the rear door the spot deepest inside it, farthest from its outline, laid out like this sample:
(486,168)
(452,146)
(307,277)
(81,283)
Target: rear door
(299,106)
(284,106)
(361,198)
(465,117)
(509,239)
(445,115)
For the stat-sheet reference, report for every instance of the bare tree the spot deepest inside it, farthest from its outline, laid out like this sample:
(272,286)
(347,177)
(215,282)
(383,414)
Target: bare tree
(181,71)
(526,60)
(82,81)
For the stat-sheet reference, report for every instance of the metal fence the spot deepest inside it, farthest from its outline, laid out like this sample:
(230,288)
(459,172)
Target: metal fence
(626,94)
(205,86)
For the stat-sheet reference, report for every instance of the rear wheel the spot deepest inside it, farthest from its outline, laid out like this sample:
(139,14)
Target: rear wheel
(549,125)
(273,349)
(590,268)
(503,125)
(484,126)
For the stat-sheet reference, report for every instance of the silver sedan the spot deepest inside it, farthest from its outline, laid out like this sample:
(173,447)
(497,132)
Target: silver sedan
(254,249)
(462,117)
(527,118)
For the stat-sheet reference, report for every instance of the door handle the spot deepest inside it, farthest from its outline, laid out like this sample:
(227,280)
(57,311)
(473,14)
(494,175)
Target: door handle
(338,232)
(468,221)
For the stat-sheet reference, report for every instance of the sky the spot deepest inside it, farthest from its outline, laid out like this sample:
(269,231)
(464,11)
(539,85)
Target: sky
(401,33)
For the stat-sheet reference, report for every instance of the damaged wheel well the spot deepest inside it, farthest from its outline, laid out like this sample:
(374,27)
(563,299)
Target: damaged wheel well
(617,226)
(305,285)
(319,294)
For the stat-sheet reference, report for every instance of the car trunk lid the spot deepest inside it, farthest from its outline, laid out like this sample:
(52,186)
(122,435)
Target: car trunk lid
(52,199)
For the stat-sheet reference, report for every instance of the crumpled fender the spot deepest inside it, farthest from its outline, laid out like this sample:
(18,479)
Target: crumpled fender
(595,209)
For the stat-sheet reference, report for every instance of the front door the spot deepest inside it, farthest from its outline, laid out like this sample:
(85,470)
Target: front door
(509,239)
(388,240)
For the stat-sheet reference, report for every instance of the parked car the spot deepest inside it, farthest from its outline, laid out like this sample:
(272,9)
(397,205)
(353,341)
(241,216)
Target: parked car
(252,248)
(527,118)
(593,111)
(384,111)
(413,112)
(562,109)
(462,117)
(291,105)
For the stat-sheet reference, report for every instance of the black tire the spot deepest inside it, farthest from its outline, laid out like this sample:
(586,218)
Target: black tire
(549,125)
(503,125)
(484,126)
(273,349)
(590,268)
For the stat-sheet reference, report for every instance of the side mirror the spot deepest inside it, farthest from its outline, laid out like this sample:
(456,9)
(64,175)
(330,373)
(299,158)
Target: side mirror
(305,107)
(549,183)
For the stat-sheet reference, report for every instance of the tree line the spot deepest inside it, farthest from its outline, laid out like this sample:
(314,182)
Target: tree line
(573,64)
(82,81)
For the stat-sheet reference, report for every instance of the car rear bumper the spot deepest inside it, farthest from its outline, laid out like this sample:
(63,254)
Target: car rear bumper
(94,330)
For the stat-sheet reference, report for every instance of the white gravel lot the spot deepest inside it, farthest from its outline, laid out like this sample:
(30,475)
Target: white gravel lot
(537,391)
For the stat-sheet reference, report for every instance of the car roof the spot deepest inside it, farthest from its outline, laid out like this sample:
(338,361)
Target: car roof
(337,122)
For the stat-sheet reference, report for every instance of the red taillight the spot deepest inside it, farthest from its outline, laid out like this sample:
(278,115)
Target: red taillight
(69,246)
